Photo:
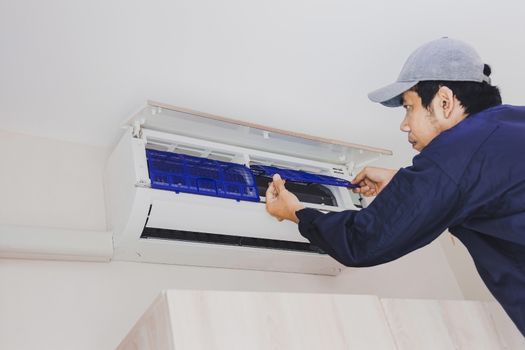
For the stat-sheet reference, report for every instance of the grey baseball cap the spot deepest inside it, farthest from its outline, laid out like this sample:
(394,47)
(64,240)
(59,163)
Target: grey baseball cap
(442,59)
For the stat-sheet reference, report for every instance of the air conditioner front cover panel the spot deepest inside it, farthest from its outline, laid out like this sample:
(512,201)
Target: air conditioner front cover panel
(180,121)
(186,212)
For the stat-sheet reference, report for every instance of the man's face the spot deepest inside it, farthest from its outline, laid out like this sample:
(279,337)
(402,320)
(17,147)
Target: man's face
(420,123)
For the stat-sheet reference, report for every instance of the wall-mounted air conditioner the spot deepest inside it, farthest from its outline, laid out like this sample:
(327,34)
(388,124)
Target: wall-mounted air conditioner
(187,188)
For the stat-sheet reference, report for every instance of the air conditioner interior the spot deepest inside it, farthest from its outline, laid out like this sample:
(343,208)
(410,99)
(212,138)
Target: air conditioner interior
(318,194)
(305,192)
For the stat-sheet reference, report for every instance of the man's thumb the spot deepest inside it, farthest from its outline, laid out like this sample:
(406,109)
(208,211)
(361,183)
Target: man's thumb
(278,183)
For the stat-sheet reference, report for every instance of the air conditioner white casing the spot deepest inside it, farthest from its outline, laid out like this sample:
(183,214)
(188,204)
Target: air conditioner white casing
(134,207)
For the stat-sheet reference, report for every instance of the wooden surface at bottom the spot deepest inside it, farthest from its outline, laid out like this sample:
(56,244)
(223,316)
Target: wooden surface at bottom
(211,320)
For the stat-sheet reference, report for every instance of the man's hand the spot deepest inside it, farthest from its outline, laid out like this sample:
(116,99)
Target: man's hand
(372,180)
(280,202)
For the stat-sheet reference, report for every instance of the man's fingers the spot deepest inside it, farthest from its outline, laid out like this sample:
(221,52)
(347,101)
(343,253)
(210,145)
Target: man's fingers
(270,192)
(370,183)
(278,183)
(359,177)
(370,193)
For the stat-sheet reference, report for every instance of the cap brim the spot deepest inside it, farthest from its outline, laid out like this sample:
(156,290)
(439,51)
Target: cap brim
(390,95)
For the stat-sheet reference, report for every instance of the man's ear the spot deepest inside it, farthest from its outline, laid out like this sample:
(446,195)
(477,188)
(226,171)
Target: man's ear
(446,100)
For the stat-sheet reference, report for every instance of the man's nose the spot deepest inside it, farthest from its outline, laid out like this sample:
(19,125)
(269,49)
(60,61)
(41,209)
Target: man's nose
(404,125)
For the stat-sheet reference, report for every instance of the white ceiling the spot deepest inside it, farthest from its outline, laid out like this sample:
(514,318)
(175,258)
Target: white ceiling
(74,70)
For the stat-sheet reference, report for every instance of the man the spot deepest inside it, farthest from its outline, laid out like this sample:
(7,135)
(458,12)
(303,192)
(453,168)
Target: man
(469,177)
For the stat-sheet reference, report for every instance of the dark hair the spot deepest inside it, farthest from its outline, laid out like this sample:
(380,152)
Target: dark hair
(473,96)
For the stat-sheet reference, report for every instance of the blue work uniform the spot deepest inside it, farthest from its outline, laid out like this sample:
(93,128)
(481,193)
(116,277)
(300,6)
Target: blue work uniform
(469,179)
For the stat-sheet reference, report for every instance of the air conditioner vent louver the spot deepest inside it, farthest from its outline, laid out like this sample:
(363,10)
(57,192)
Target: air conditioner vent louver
(212,238)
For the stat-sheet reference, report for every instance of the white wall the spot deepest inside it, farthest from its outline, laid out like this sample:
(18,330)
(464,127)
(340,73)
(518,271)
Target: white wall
(75,69)
(53,184)
(81,305)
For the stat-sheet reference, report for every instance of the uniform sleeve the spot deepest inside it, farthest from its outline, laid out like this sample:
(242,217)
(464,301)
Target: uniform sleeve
(418,204)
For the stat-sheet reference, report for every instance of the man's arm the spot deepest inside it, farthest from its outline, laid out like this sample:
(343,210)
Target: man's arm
(416,206)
